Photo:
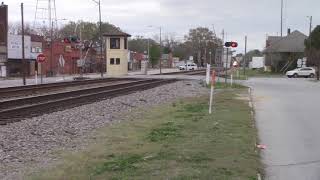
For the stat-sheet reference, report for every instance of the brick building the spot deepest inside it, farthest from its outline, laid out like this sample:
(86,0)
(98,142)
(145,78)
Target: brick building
(71,54)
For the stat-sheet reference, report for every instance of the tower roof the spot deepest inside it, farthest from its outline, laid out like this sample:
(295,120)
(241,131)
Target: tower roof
(115,32)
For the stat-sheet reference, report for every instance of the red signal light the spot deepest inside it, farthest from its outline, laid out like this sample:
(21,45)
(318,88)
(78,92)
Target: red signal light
(231,44)
(234,44)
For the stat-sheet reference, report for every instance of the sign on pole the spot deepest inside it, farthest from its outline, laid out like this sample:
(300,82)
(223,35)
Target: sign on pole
(41,58)
(61,61)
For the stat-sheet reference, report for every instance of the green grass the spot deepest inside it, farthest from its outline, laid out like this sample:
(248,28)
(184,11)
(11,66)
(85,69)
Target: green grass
(176,141)
(222,85)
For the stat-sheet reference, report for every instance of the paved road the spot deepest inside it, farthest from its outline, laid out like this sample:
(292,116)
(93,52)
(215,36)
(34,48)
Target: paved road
(288,121)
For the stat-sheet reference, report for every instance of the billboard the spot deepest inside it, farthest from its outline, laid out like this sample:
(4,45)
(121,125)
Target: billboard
(15,47)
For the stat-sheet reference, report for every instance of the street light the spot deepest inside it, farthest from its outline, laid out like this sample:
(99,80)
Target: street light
(100,35)
(160,62)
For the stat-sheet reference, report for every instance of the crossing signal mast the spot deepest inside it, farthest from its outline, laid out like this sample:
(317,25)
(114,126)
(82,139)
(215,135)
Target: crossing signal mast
(231,44)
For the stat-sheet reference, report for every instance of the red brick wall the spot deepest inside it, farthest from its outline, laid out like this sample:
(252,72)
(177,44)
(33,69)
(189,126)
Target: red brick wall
(52,64)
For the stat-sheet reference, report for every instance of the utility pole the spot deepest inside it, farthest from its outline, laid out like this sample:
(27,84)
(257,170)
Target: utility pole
(51,37)
(51,49)
(160,52)
(23,60)
(148,49)
(245,56)
(226,67)
(81,59)
(101,41)
(223,41)
(281,16)
(310,28)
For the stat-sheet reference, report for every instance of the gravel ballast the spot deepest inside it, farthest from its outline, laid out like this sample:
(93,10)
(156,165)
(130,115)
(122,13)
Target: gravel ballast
(30,144)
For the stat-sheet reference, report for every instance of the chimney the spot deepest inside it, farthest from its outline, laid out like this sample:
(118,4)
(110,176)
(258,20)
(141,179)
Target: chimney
(289,31)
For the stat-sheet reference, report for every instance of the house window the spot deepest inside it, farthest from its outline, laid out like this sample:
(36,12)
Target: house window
(118,61)
(125,43)
(114,43)
(111,61)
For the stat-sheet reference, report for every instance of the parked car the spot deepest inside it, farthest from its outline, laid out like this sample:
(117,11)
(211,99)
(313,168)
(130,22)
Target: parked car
(191,66)
(302,72)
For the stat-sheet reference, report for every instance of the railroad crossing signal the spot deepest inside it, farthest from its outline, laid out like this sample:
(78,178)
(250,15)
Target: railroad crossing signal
(231,44)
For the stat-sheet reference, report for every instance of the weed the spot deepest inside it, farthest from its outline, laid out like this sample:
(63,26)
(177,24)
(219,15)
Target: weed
(121,163)
(167,130)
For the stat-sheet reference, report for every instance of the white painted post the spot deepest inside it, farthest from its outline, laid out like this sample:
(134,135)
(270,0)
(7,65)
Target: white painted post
(231,79)
(208,74)
(36,76)
(213,80)
(41,76)
(211,99)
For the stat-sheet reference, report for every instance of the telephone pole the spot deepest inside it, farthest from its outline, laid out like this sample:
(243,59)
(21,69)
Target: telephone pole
(310,28)
(160,51)
(102,54)
(23,60)
(101,40)
(245,55)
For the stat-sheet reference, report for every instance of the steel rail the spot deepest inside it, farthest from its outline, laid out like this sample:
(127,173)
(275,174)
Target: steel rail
(31,107)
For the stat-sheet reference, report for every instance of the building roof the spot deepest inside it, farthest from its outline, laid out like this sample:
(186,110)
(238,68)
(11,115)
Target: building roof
(294,42)
(115,32)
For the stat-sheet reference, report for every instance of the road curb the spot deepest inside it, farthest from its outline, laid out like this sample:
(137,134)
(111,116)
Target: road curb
(251,104)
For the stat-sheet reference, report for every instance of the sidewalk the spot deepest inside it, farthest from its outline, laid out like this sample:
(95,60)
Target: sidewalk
(31,80)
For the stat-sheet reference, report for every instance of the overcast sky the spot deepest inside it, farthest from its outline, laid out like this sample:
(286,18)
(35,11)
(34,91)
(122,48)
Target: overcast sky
(255,18)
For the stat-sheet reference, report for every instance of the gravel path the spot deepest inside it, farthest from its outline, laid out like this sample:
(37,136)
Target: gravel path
(32,142)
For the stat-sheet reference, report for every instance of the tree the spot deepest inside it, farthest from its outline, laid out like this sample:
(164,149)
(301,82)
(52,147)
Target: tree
(90,31)
(253,53)
(154,55)
(140,44)
(183,50)
(203,41)
(312,50)
(15,28)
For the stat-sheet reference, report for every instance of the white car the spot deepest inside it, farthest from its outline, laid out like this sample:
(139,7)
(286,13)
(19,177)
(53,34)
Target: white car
(191,66)
(302,72)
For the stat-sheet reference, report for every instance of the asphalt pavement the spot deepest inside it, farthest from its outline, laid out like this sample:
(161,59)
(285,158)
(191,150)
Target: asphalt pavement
(288,122)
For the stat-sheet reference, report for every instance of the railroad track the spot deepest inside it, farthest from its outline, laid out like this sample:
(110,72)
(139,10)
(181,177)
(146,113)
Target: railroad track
(18,109)
(17,91)
(195,72)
